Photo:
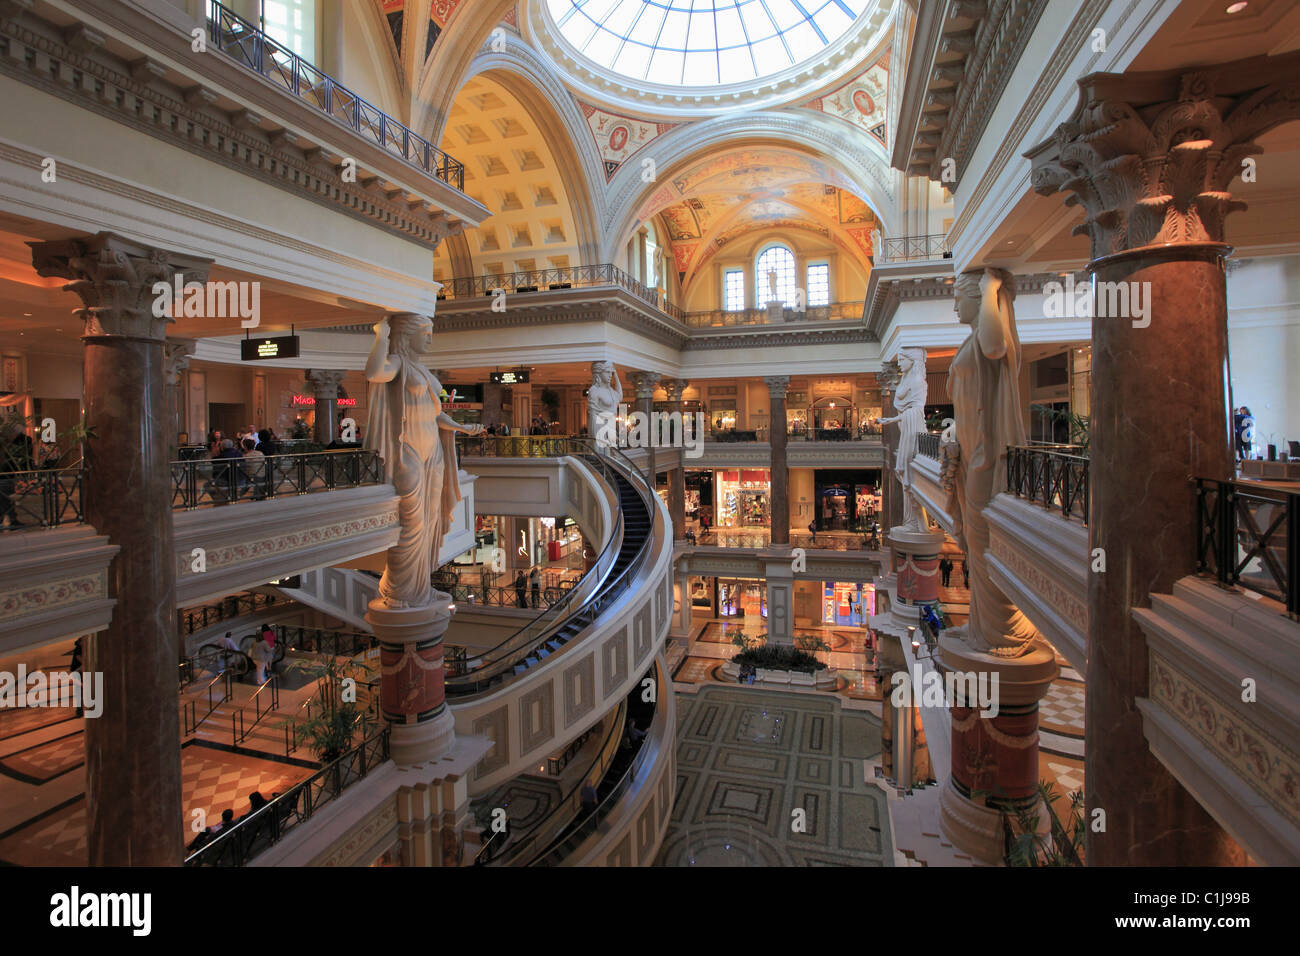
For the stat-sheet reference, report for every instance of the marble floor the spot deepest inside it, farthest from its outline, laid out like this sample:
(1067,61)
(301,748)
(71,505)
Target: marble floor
(772,778)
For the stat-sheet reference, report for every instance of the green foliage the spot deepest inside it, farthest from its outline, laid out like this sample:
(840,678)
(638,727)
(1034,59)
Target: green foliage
(1061,846)
(333,721)
(1080,425)
(550,399)
(779,657)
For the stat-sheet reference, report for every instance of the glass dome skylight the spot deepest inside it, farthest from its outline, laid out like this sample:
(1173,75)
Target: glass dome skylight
(702,43)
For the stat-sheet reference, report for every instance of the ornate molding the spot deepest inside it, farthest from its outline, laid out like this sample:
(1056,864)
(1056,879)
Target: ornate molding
(36,54)
(46,596)
(1270,768)
(1150,156)
(287,543)
(325,382)
(777,386)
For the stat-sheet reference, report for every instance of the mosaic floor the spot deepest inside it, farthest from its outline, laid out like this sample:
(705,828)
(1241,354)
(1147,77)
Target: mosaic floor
(748,759)
(212,780)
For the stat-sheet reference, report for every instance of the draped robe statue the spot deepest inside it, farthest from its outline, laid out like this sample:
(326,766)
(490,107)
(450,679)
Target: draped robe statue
(603,398)
(984,380)
(413,436)
(909,402)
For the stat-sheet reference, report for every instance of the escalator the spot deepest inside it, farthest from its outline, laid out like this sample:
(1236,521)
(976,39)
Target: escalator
(579,609)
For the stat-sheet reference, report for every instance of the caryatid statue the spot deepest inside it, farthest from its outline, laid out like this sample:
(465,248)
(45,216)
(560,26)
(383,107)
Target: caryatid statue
(415,438)
(909,402)
(603,399)
(984,380)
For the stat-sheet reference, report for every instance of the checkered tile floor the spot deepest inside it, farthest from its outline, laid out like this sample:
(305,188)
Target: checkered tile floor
(212,781)
(44,762)
(1062,710)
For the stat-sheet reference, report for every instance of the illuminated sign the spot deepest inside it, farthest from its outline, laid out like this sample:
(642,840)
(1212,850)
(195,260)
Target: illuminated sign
(300,400)
(509,378)
(252,350)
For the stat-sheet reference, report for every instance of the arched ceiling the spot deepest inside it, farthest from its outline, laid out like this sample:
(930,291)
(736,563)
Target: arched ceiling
(737,191)
(511,169)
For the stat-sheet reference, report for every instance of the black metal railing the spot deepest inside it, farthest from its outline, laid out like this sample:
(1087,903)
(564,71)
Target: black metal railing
(551,280)
(220,481)
(1054,479)
(193,619)
(927,445)
(42,497)
(237,844)
(244,43)
(1249,535)
(724,318)
(913,248)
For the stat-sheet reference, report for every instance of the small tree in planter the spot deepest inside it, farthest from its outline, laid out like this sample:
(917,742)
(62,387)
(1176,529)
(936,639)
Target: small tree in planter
(550,400)
(336,709)
(1062,844)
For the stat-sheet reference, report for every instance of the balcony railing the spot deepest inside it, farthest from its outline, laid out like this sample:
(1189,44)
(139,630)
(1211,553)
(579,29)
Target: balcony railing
(928,446)
(236,845)
(220,481)
(236,605)
(1055,479)
(243,42)
(551,280)
(1249,535)
(719,318)
(42,497)
(914,249)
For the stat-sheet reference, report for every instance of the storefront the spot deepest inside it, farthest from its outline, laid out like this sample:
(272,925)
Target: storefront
(847,499)
(699,494)
(847,604)
(464,403)
(743,498)
(741,598)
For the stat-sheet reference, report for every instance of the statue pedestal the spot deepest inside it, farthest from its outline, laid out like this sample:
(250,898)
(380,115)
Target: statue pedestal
(412,695)
(994,708)
(776,312)
(915,564)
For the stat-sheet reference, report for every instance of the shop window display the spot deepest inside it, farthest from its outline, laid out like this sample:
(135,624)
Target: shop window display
(847,604)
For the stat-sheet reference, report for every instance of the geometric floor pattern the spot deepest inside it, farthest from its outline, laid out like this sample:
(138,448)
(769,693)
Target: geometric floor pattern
(44,762)
(748,759)
(211,780)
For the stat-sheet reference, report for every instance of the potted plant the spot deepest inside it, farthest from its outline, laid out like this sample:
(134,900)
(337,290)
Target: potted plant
(335,710)
(550,400)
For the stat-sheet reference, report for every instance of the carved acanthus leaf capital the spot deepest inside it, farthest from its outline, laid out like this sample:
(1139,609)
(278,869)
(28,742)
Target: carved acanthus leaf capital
(325,382)
(1151,156)
(176,359)
(115,279)
(777,386)
(645,383)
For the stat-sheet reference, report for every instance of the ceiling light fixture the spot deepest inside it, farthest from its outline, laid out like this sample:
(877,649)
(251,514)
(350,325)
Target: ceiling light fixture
(1238,6)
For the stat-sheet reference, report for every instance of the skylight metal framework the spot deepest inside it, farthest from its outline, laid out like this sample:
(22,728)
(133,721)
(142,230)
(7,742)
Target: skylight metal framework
(702,43)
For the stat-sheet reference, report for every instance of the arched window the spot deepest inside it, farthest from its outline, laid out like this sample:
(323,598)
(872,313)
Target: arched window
(778,260)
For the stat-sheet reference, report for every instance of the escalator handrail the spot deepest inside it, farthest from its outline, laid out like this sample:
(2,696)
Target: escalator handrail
(475,682)
(528,836)
(494,658)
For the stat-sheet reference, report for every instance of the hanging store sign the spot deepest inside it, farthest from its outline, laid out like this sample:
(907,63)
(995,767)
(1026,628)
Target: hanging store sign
(519,377)
(254,350)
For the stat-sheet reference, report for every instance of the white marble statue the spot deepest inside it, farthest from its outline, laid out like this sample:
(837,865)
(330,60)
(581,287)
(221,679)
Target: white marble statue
(984,380)
(909,402)
(416,441)
(771,286)
(603,398)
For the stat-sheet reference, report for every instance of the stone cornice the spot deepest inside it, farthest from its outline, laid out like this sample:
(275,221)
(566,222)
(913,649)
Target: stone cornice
(961,63)
(35,53)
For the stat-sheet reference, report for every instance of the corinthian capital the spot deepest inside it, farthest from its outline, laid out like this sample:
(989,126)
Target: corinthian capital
(176,359)
(777,385)
(115,279)
(1151,156)
(645,383)
(325,382)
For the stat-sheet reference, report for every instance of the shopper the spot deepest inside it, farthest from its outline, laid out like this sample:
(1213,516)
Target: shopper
(521,586)
(945,569)
(535,586)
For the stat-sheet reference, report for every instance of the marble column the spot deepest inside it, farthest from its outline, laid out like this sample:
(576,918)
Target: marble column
(777,386)
(677,477)
(1151,159)
(521,408)
(176,359)
(891,492)
(682,619)
(325,389)
(133,747)
(645,384)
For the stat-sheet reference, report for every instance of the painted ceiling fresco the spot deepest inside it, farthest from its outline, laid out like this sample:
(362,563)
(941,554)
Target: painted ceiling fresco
(863,101)
(619,137)
(439,13)
(714,202)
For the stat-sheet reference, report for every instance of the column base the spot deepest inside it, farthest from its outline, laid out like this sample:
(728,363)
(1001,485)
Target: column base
(412,692)
(977,829)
